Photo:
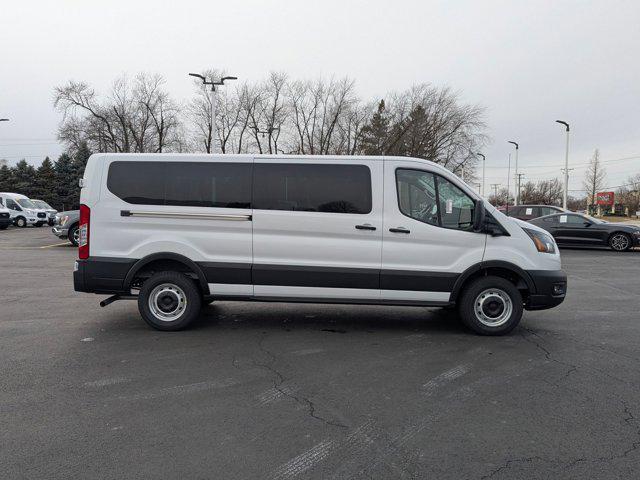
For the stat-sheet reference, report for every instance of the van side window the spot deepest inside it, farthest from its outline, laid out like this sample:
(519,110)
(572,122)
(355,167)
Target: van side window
(312,187)
(11,205)
(434,200)
(417,195)
(190,184)
(456,207)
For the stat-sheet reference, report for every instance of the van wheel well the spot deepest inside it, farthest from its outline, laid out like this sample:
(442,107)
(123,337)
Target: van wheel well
(163,265)
(505,273)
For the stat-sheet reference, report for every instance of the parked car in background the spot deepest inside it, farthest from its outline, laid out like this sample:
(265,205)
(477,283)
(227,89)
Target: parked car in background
(22,211)
(529,212)
(5,217)
(582,230)
(48,209)
(66,226)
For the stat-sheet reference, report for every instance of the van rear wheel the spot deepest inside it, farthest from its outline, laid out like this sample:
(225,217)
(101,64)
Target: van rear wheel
(491,306)
(169,301)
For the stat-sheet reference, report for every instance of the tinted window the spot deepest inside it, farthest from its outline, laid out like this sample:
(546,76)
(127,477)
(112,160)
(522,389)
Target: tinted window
(312,188)
(193,184)
(12,205)
(434,200)
(572,219)
(547,210)
(513,211)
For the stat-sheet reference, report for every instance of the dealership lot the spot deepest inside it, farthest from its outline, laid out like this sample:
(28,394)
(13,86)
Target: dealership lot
(286,391)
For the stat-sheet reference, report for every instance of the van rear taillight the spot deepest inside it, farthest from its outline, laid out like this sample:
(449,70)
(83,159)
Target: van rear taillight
(83,232)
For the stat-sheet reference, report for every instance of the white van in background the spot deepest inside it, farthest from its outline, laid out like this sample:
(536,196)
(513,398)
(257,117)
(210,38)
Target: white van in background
(23,211)
(5,217)
(174,231)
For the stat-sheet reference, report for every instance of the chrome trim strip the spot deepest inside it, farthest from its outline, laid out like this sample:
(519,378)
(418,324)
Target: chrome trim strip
(199,216)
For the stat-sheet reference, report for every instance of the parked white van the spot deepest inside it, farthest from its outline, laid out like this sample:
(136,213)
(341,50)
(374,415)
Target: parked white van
(23,211)
(174,231)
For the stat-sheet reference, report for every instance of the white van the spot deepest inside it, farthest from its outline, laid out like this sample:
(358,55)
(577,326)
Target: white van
(174,231)
(23,211)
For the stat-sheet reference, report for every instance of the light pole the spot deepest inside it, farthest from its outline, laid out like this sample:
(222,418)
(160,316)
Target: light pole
(213,84)
(483,170)
(516,200)
(566,166)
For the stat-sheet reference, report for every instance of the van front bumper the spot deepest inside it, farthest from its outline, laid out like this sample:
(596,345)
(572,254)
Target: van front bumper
(550,289)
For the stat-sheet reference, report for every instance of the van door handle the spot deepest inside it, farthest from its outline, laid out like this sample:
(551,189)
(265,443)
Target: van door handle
(366,226)
(399,230)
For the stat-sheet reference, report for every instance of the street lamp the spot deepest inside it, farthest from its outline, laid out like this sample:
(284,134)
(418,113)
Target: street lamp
(213,84)
(483,170)
(566,166)
(517,197)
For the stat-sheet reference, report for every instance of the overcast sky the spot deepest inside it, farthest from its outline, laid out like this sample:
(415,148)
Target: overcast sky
(529,63)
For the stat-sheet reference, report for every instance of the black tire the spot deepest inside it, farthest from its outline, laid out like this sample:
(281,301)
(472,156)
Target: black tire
(504,307)
(21,222)
(73,235)
(4,227)
(620,242)
(176,289)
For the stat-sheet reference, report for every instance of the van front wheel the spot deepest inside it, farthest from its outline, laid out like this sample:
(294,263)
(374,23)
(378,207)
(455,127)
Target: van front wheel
(491,306)
(169,301)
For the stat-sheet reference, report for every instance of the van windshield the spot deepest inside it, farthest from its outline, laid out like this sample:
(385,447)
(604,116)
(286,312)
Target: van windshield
(42,204)
(25,203)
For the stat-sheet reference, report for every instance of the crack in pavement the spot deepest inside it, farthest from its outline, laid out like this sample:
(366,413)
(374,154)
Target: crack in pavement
(508,464)
(279,380)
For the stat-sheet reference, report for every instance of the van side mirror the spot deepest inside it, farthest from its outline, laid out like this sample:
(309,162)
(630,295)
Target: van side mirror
(478,216)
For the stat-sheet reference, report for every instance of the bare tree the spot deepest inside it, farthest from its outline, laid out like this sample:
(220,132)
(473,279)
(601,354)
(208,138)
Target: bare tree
(430,122)
(629,193)
(138,117)
(544,192)
(594,178)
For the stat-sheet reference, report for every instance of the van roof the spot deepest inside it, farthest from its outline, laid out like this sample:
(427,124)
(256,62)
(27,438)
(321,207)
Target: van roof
(15,195)
(225,156)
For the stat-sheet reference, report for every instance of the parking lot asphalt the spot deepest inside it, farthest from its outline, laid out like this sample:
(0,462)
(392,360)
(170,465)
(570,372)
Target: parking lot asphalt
(286,391)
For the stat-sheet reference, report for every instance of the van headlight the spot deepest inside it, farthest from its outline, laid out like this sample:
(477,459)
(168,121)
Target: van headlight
(543,241)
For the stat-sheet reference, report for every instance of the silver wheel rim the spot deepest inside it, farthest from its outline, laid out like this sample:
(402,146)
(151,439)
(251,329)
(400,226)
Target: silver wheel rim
(620,242)
(76,235)
(167,302)
(21,222)
(493,307)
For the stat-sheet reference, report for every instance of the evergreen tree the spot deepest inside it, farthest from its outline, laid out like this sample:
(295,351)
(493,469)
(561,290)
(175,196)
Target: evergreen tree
(79,163)
(67,192)
(45,183)
(375,133)
(6,178)
(23,178)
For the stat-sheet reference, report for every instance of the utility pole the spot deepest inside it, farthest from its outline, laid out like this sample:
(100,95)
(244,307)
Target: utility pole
(519,177)
(483,170)
(213,84)
(515,202)
(566,166)
(495,191)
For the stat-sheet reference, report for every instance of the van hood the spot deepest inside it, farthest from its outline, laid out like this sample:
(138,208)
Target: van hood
(530,226)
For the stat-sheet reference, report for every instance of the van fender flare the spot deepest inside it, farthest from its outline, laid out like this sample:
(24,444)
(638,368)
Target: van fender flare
(193,266)
(464,276)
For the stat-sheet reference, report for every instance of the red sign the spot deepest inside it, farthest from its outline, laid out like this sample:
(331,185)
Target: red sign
(604,198)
